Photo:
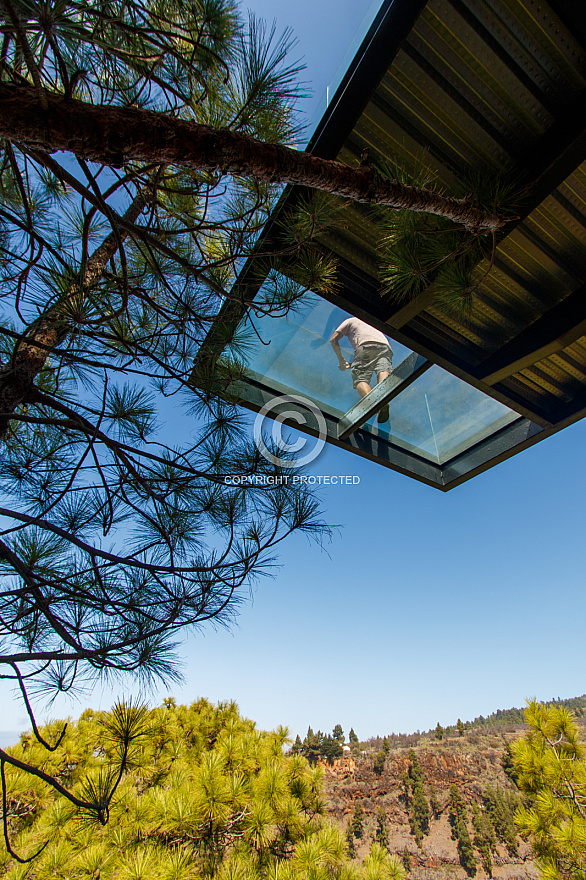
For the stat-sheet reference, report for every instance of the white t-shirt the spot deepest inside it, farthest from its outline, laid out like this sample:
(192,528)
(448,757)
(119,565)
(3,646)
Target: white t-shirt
(359,332)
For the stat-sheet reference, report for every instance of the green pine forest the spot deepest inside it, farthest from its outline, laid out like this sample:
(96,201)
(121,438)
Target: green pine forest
(204,794)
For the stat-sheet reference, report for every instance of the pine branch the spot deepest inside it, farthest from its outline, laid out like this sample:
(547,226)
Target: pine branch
(49,330)
(115,135)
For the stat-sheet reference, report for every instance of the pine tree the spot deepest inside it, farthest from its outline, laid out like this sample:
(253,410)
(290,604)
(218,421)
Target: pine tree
(297,747)
(457,807)
(550,762)
(379,863)
(484,839)
(312,745)
(381,835)
(439,732)
(458,815)
(352,738)
(465,849)
(419,813)
(508,763)
(415,770)
(204,794)
(338,733)
(500,806)
(330,749)
(118,534)
(379,763)
(358,821)
(350,841)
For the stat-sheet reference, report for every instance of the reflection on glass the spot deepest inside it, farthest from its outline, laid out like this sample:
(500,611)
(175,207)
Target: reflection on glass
(437,416)
(344,64)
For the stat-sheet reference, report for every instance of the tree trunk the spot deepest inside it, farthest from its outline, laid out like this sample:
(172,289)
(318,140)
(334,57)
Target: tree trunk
(50,329)
(115,135)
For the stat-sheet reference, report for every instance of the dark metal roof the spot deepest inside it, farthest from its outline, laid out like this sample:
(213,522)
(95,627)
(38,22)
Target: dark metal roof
(480,85)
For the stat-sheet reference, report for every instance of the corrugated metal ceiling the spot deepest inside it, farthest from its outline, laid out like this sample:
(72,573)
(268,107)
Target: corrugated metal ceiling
(481,85)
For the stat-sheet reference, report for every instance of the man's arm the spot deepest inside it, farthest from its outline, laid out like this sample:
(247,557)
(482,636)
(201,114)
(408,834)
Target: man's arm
(335,340)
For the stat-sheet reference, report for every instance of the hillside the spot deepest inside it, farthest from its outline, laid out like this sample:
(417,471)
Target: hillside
(402,781)
(472,763)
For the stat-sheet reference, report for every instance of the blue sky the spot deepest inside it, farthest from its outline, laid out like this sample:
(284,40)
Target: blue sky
(424,607)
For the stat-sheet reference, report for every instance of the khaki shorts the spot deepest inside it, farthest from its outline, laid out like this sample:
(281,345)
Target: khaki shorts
(372,357)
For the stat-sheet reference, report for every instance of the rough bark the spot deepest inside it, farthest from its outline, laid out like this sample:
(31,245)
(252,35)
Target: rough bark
(50,329)
(115,135)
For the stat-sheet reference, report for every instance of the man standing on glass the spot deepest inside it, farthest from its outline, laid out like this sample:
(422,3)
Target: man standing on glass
(372,354)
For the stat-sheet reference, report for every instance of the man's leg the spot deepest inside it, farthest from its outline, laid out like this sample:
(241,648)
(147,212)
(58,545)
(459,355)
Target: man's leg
(383,414)
(364,364)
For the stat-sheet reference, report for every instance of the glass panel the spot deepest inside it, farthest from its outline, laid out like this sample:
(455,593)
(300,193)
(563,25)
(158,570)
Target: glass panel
(437,416)
(295,351)
(440,416)
(343,66)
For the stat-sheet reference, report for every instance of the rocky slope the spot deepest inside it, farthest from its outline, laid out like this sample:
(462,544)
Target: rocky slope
(471,762)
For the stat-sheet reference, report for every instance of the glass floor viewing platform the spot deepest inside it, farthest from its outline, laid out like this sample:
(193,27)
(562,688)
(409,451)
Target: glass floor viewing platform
(440,429)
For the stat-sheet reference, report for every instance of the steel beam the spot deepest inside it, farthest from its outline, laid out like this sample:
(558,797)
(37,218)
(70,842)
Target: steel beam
(407,372)
(392,24)
(492,450)
(555,330)
(571,13)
